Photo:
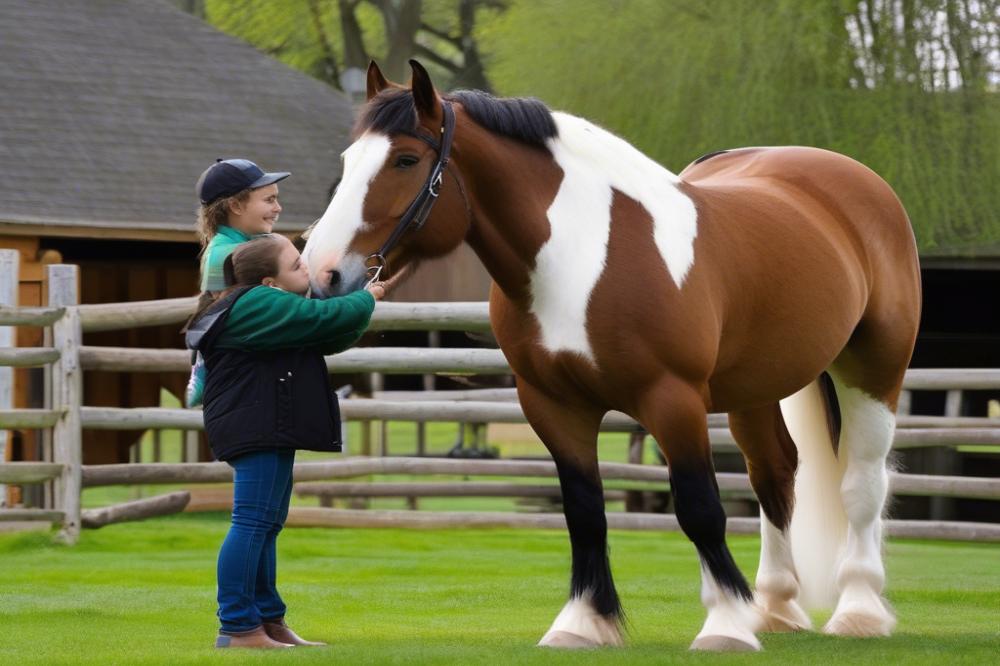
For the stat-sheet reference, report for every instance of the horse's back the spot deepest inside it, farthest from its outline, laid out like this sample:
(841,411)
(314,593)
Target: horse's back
(807,177)
(831,194)
(800,245)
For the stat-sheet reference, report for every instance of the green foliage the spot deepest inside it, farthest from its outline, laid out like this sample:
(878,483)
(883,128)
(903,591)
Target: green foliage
(144,593)
(682,78)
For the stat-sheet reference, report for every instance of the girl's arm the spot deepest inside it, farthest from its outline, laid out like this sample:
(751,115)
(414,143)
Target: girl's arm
(266,318)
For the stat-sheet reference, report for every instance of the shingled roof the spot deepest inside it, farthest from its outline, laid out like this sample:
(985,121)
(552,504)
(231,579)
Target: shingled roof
(110,109)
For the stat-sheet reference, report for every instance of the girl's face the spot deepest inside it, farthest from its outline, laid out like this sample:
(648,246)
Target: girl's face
(292,274)
(258,213)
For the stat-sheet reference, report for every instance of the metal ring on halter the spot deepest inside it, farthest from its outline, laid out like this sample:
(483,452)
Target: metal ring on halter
(435,187)
(376,270)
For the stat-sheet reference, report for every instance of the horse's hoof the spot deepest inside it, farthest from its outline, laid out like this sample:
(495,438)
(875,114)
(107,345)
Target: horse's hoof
(567,641)
(860,624)
(723,644)
(784,617)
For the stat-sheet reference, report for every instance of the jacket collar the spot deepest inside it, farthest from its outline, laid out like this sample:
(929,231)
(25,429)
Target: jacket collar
(232,234)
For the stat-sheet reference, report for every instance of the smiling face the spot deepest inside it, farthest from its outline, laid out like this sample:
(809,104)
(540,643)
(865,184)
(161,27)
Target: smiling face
(258,214)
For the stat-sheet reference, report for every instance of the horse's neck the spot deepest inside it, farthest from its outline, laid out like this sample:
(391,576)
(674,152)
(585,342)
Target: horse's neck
(543,219)
(511,187)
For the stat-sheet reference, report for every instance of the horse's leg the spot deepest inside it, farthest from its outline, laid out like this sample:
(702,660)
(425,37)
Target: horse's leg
(676,416)
(866,439)
(867,378)
(771,461)
(592,617)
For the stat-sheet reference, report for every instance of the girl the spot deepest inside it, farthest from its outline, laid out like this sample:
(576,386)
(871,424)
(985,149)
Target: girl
(267,394)
(238,201)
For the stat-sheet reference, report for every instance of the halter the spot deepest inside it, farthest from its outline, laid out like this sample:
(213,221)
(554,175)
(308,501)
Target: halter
(420,208)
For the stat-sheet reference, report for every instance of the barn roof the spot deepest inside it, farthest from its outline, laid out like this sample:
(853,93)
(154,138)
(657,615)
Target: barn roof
(110,109)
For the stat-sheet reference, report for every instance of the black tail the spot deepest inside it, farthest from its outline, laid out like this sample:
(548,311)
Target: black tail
(833,418)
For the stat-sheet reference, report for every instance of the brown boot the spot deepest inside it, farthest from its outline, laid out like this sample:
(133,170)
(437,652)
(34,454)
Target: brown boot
(279,631)
(255,638)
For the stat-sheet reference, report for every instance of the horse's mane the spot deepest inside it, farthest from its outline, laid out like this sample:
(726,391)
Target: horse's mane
(523,118)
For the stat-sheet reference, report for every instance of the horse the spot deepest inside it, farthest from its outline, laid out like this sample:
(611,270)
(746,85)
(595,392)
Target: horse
(780,285)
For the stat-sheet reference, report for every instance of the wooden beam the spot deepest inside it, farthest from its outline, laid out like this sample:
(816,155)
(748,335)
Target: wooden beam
(437,489)
(10,282)
(28,418)
(39,515)
(127,474)
(118,316)
(944,379)
(28,316)
(29,472)
(67,395)
(161,505)
(455,316)
(27,357)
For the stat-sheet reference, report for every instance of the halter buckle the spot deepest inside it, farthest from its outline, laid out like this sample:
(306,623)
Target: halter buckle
(435,185)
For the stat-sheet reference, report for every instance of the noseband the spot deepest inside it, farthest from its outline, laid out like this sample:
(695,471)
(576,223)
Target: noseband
(420,208)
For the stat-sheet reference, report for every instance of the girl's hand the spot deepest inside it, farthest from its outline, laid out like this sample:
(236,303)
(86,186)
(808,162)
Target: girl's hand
(377,289)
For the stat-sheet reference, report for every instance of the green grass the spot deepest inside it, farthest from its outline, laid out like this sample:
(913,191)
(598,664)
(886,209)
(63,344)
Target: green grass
(143,593)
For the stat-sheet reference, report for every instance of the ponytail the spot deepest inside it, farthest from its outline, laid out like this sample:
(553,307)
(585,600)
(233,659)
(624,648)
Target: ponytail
(228,272)
(245,266)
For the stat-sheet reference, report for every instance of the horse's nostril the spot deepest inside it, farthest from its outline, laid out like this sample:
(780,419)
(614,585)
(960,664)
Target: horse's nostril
(334,278)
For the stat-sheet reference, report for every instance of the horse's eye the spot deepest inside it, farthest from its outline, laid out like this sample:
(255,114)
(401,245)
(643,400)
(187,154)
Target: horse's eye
(406,161)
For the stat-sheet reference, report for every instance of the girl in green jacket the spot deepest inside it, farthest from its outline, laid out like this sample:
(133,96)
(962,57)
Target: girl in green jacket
(238,201)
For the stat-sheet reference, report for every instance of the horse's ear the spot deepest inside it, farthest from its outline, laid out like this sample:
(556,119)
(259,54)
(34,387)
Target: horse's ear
(376,81)
(424,95)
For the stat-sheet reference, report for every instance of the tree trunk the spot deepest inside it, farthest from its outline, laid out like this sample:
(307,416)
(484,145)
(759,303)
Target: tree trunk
(402,20)
(471,74)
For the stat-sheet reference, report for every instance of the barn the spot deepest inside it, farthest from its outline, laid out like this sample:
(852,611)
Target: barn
(110,112)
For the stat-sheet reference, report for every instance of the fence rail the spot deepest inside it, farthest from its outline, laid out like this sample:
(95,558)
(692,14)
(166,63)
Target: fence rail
(67,358)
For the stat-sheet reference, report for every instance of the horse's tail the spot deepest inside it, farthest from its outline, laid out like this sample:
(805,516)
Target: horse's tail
(819,524)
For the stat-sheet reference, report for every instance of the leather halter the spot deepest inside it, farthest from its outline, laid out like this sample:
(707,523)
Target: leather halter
(420,208)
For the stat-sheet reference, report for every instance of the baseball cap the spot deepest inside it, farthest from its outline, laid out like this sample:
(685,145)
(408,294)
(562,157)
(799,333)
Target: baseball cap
(228,177)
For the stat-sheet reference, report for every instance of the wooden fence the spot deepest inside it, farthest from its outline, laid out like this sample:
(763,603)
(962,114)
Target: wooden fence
(66,360)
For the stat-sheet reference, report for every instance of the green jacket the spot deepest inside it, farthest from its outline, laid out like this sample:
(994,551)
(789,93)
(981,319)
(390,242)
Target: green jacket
(266,319)
(221,246)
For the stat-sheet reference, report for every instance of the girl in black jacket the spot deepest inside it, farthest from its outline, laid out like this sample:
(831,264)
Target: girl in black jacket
(268,394)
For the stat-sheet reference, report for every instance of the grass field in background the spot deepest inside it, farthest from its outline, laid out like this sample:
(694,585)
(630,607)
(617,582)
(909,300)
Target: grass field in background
(143,593)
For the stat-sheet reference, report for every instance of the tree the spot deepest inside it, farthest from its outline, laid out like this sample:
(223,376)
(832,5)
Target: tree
(907,87)
(328,37)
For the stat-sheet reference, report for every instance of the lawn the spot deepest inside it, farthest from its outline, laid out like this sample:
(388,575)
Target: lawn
(143,593)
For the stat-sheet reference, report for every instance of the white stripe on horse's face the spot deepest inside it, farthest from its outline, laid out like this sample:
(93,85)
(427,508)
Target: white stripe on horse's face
(569,264)
(326,249)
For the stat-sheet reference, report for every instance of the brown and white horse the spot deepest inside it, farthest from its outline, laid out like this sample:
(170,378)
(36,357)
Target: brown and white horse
(780,285)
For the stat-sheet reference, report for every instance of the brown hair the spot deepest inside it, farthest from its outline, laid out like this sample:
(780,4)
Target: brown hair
(245,266)
(253,261)
(213,215)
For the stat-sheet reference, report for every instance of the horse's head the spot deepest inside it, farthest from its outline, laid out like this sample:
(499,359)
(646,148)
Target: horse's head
(396,202)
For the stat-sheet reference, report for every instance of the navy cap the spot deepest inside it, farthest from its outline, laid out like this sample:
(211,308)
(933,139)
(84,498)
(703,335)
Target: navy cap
(228,177)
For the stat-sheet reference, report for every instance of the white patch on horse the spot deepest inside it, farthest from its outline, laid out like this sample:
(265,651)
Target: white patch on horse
(343,218)
(728,616)
(579,618)
(567,267)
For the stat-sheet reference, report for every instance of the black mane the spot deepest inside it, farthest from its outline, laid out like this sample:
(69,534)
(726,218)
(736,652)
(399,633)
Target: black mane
(523,118)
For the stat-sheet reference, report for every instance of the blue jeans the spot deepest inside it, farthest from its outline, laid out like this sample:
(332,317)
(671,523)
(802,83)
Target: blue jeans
(262,486)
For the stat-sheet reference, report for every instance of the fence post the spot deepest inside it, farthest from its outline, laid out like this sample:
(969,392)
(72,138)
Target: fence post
(67,393)
(9,280)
